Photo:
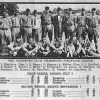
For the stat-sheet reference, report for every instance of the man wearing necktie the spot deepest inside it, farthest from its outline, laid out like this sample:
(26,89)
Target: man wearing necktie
(16,19)
(46,22)
(93,23)
(57,22)
(71,24)
(5,28)
(36,26)
(26,24)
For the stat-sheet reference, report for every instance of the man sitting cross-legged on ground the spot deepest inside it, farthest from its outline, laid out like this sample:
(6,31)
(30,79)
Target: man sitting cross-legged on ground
(15,47)
(30,49)
(85,44)
(72,47)
(57,47)
(44,48)
(87,50)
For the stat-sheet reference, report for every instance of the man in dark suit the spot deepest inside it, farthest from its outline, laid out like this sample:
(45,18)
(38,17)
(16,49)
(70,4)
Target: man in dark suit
(46,22)
(57,22)
(70,24)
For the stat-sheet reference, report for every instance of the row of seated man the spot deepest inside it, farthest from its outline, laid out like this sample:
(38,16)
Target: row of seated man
(71,47)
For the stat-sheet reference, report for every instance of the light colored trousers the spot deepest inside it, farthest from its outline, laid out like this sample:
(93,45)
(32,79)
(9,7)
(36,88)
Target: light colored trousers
(15,33)
(5,36)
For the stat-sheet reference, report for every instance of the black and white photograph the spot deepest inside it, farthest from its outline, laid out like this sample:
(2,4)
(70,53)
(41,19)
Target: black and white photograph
(50,50)
(49,30)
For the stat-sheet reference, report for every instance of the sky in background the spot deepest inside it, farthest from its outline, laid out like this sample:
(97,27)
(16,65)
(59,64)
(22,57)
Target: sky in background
(40,7)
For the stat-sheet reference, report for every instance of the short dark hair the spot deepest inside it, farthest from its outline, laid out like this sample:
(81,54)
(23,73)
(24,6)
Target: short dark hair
(93,9)
(58,9)
(46,8)
(82,9)
(27,10)
(70,9)
(35,11)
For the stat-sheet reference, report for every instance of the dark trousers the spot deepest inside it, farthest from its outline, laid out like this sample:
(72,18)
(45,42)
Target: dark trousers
(80,31)
(57,32)
(26,33)
(47,30)
(70,31)
(36,34)
(93,35)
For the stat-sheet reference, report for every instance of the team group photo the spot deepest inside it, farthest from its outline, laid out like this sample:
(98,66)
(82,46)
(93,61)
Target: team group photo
(49,31)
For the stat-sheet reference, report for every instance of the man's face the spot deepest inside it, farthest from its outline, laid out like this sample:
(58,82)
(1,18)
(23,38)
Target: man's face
(44,40)
(47,11)
(31,41)
(70,12)
(83,12)
(27,12)
(59,12)
(19,41)
(35,14)
(16,13)
(74,38)
(94,12)
(5,14)
(71,43)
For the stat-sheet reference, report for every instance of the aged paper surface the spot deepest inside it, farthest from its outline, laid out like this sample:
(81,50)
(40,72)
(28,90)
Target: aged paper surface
(49,50)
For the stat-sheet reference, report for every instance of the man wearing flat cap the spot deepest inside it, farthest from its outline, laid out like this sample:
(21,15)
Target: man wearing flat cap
(46,22)
(26,25)
(81,24)
(5,28)
(92,28)
(16,20)
(36,26)
(71,24)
